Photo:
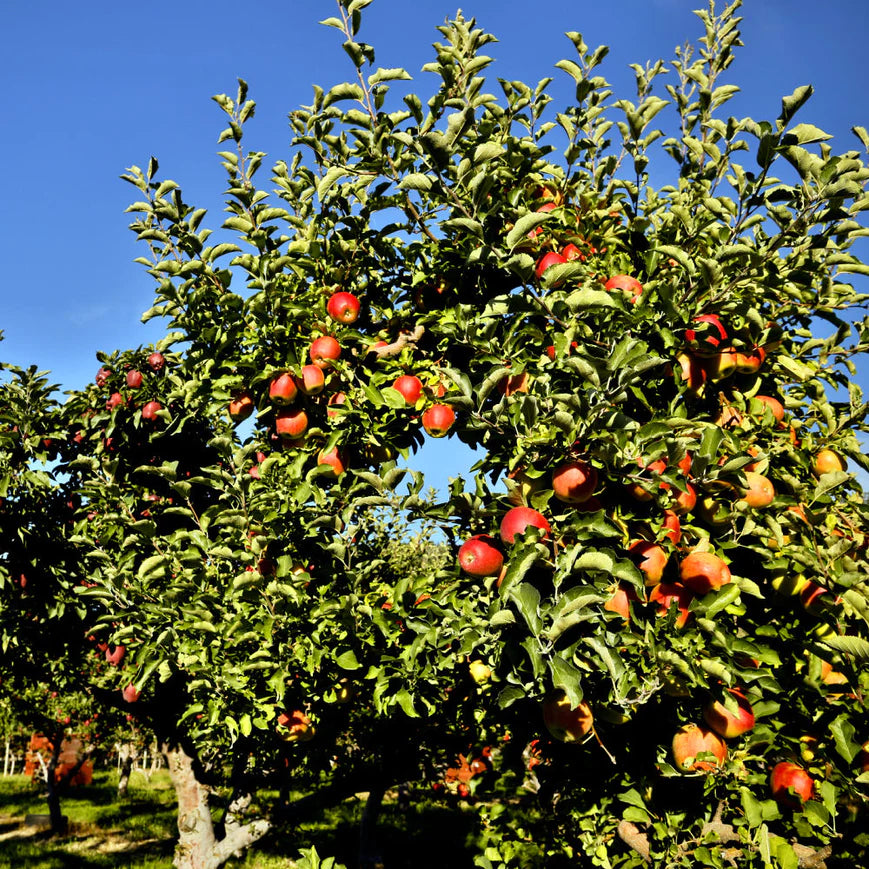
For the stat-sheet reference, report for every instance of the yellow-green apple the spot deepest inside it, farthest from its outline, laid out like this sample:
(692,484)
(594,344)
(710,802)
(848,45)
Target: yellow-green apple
(574,482)
(480,671)
(518,519)
(409,386)
(283,389)
(790,784)
(480,556)
(729,722)
(720,365)
(693,740)
(324,351)
(692,373)
(564,722)
(343,307)
(749,363)
(438,420)
(827,461)
(703,571)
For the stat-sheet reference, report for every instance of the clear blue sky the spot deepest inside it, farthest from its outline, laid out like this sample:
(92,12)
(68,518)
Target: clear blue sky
(92,88)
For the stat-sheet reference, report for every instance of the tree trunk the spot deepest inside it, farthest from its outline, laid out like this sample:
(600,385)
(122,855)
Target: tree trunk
(369,853)
(125,756)
(58,821)
(198,847)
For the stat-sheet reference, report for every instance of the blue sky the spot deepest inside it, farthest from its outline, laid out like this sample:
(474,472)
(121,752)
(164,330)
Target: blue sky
(95,87)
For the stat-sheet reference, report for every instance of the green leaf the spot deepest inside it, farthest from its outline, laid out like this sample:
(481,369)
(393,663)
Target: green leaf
(415,181)
(586,298)
(347,660)
(843,732)
(523,226)
(856,646)
(392,74)
(344,91)
(528,599)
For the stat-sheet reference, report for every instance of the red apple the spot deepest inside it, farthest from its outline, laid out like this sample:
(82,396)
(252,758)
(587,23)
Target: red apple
(726,722)
(283,389)
(665,594)
(703,571)
(131,694)
(564,722)
(115,656)
(333,459)
(312,380)
(574,482)
(343,307)
(518,519)
(291,423)
(709,334)
(156,361)
(773,404)
(134,378)
(749,363)
(115,400)
(546,261)
(409,386)
(151,409)
(241,406)
(693,740)
(480,556)
(324,351)
(628,285)
(438,420)
(671,527)
(790,784)
(103,376)
(650,558)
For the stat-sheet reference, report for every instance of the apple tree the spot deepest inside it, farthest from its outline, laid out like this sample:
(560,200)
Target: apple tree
(642,314)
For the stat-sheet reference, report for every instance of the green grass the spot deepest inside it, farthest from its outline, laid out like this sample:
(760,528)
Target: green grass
(139,832)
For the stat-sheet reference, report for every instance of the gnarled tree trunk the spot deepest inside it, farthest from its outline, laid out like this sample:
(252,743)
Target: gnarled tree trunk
(198,846)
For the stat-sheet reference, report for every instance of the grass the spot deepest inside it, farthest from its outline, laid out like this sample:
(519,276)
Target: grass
(139,832)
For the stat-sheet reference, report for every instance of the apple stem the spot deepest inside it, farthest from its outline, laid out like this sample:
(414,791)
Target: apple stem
(606,751)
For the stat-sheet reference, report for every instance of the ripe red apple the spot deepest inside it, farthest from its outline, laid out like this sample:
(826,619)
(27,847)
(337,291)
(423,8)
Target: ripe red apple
(131,694)
(343,307)
(518,519)
(283,389)
(749,363)
(134,378)
(546,261)
(103,376)
(241,406)
(511,384)
(333,459)
(721,365)
(790,784)
(627,284)
(761,492)
(151,409)
(571,252)
(409,386)
(693,740)
(291,423)
(703,571)
(773,404)
(438,420)
(335,401)
(116,655)
(709,334)
(480,556)
(115,400)
(295,726)
(692,373)
(619,601)
(726,722)
(564,722)
(665,594)
(312,380)
(156,361)
(574,482)
(324,351)
(650,558)
(671,527)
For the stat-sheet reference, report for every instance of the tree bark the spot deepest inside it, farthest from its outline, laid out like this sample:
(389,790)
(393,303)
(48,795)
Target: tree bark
(369,853)
(126,752)
(198,847)
(58,821)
